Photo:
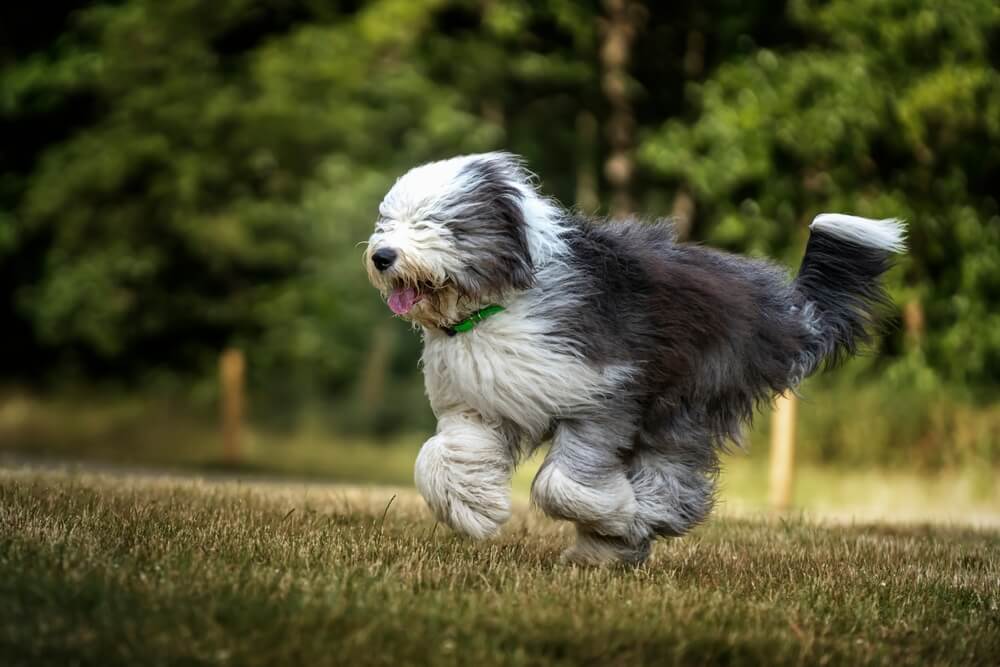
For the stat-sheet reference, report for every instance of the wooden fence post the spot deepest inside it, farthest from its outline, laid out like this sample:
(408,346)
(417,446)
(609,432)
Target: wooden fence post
(782,451)
(232,375)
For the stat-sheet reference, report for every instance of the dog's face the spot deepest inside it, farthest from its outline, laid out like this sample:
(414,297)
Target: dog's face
(451,237)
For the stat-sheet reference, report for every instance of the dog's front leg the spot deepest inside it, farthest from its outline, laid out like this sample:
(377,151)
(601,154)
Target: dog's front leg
(464,473)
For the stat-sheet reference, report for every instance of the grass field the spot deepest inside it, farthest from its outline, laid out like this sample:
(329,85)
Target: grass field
(161,436)
(123,570)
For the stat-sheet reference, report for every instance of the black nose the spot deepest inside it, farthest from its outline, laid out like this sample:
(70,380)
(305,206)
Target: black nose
(383,258)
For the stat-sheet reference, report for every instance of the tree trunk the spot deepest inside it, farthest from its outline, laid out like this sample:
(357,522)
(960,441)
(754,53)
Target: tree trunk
(619,29)
(682,214)
(684,204)
(587,198)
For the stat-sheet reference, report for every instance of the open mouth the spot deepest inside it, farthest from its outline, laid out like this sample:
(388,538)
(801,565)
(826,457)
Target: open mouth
(403,298)
(405,294)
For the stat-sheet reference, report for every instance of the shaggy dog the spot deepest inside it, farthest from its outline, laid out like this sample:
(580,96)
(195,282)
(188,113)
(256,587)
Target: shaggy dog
(639,357)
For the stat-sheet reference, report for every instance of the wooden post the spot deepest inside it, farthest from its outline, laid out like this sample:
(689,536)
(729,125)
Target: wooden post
(782,452)
(914,321)
(232,374)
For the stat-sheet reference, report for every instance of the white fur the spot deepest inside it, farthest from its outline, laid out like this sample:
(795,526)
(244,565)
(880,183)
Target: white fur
(425,248)
(545,230)
(409,225)
(888,234)
(427,191)
(500,370)
(434,192)
(507,369)
(463,473)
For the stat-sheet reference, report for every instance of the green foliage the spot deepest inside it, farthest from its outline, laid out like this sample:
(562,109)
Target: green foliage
(233,163)
(888,109)
(182,176)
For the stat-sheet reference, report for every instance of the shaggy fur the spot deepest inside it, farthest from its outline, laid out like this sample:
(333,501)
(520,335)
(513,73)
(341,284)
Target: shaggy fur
(640,358)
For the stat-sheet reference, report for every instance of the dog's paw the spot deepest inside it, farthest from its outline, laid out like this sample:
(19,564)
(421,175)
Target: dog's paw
(465,492)
(594,550)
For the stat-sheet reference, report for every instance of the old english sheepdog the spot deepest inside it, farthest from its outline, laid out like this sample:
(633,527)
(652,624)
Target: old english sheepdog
(640,358)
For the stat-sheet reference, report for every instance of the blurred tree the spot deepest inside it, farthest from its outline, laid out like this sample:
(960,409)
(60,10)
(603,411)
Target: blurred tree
(180,176)
(41,104)
(232,157)
(887,109)
(619,29)
(154,225)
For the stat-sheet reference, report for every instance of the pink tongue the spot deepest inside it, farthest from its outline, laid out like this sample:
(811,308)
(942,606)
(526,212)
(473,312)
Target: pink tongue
(401,300)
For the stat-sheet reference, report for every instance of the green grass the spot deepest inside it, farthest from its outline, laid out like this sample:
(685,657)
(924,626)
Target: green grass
(102,570)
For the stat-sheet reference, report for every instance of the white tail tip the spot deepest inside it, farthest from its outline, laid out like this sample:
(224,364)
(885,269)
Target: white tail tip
(888,234)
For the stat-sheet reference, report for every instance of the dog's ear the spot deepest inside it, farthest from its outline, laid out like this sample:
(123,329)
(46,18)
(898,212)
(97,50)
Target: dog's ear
(509,218)
(492,232)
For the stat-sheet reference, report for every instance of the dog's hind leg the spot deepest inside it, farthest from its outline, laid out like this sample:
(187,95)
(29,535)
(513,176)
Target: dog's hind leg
(673,475)
(464,472)
(584,480)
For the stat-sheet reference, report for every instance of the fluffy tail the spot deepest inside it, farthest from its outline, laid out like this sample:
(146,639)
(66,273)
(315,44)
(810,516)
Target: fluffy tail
(840,282)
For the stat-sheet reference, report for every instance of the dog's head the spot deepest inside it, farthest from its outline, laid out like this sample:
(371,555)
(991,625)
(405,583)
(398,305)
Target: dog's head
(453,236)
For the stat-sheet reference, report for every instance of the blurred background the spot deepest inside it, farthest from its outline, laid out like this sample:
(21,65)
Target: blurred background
(179,178)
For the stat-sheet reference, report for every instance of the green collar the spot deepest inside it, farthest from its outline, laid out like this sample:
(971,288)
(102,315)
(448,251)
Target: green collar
(473,320)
